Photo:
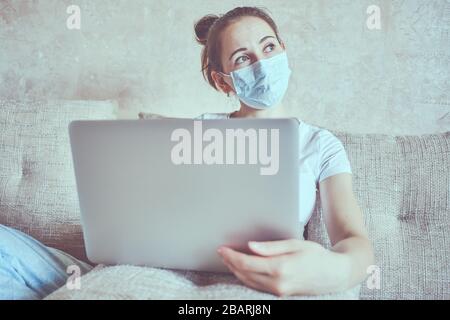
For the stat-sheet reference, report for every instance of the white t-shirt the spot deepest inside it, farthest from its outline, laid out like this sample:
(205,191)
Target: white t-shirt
(322,155)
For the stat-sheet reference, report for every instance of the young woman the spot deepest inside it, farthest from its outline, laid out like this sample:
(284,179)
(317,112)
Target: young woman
(243,55)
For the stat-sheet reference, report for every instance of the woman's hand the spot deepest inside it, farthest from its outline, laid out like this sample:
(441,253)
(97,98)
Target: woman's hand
(289,267)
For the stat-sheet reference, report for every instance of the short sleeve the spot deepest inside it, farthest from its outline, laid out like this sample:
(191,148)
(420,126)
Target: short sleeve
(332,156)
(211,116)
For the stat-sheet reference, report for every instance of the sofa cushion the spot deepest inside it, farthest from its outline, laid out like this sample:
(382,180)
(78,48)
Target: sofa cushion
(130,282)
(37,184)
(403,187)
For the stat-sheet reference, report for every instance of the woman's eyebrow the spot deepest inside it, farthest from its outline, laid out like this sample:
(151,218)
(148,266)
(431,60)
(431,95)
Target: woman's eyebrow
(266,37)
(243,49)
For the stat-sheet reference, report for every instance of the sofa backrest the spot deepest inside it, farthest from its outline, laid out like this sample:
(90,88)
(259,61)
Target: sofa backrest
(37,183)
(403,187)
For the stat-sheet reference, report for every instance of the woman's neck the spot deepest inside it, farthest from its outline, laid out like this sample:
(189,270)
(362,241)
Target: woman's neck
(249,112)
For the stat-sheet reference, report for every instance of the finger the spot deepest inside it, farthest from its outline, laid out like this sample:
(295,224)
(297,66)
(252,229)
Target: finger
(271,248)
(245,262)
(256,281)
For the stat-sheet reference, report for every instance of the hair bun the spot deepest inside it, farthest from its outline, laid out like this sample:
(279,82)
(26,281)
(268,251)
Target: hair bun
(202,27)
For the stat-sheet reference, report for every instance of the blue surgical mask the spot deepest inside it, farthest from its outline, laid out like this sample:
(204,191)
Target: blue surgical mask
(262,84)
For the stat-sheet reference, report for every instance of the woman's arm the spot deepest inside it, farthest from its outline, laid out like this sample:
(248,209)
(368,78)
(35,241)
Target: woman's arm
(345,226)
(304,267)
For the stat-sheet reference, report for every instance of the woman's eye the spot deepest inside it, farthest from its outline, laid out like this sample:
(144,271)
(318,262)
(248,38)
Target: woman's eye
(241,59)
(269,48)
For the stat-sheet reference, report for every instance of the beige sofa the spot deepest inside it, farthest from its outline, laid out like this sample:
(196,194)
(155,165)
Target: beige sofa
(402,184)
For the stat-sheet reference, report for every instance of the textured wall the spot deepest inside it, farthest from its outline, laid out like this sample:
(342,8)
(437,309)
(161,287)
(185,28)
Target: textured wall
(143,53)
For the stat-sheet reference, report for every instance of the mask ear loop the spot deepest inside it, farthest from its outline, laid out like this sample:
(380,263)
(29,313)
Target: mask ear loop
(233,100)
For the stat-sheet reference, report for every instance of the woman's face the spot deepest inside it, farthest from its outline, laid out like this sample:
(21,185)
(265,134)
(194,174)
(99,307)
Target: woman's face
(243,43)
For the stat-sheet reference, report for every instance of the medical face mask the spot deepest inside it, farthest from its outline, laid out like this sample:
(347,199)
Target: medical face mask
(262,84)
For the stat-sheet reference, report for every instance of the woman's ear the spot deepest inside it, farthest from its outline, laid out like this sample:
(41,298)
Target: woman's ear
(222,84)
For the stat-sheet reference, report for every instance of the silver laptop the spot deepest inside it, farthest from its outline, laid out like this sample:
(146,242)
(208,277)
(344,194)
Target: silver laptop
(168,192)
